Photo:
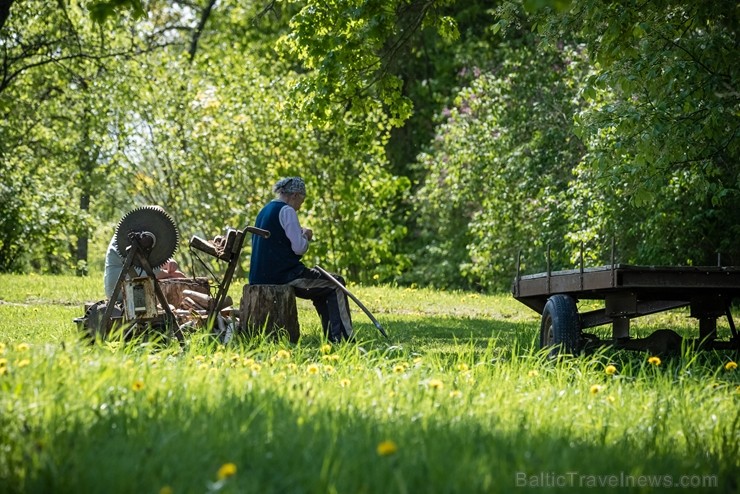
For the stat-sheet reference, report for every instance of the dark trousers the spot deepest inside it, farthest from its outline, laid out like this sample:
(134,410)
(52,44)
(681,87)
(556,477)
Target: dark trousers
(329,300)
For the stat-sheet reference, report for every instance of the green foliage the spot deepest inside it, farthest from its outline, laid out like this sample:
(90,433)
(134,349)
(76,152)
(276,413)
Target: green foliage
(499,171)
(661,129)
(567,122)
(101,11)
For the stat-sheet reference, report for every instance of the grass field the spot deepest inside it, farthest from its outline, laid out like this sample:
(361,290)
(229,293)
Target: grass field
(458,399)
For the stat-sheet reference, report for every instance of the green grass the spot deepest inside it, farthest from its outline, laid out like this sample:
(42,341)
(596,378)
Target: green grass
(459,397)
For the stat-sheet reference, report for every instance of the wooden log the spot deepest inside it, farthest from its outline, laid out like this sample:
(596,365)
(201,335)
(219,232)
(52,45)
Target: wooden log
(270,309)
(173,288)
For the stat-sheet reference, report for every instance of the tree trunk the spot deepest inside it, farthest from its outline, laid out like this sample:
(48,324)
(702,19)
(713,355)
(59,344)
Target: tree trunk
(269,309)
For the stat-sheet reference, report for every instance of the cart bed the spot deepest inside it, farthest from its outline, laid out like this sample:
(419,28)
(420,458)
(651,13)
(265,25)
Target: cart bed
(647,283)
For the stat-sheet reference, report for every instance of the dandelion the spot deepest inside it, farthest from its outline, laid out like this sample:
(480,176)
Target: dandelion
(610,370)
(137,386)
(325,348)
(731,366)
(344,383)
(611,399)
(455,393)
(23,347)
(462,367)
(199,359)
(227,470)
(436,384)
(3,362)
(387,448)
(291,366)
(654,361)
(332,358)
(313,369)
(23,363)
(255,367)
(398,369)
(533,373)
(283,354)
(595,389)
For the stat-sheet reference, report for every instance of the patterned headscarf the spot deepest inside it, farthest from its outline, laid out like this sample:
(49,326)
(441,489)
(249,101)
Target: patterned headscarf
(290,185)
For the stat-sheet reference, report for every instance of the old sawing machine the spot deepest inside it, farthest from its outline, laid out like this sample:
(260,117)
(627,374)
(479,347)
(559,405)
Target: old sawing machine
(146,238)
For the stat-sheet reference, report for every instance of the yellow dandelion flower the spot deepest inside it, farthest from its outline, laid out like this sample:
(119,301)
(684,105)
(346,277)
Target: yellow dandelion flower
(399,369)
(654,361)
(199,358)
(387,448)
(23,347)
(23,363)
(325,348)
(166,490)
(610,370)
(3,371)
(455,393)
(255,367)
(329,369)
(247,362)
(533,373)
(731,366)
(332,358)
(344,383)
(291,366)
(137,386)
(283,354)
(227,470)
(3,362)
(436,384)
(596,388)
(462,367)
(611,399)
(313,369)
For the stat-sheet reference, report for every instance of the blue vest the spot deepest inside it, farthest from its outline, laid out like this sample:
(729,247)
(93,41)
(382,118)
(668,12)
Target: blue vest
(273,261)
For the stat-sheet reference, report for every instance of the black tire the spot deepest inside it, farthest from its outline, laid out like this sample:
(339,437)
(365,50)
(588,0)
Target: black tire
(560,328)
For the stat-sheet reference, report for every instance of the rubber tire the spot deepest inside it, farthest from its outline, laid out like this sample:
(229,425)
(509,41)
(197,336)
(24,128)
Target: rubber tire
(560,328)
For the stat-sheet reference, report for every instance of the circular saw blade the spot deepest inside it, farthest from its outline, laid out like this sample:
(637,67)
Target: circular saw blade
(152,219)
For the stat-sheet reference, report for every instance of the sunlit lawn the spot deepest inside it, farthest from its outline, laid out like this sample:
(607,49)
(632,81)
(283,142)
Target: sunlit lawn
(458,399)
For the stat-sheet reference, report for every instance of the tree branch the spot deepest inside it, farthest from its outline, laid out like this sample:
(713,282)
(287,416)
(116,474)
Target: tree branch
(199,29)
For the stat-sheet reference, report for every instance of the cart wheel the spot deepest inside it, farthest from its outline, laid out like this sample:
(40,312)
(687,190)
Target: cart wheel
(560,327)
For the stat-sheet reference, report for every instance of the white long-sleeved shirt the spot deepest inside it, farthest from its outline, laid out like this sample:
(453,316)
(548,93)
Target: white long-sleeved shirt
(291,225)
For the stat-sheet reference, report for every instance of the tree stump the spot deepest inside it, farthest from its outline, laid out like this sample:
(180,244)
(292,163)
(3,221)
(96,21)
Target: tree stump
(270,309)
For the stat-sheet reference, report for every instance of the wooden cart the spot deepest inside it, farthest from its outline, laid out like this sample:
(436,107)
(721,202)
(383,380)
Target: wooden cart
(627,292)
